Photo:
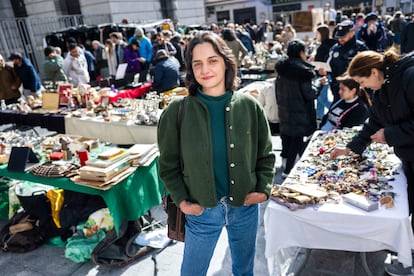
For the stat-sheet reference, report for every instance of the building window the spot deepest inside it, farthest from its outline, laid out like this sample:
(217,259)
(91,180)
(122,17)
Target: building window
(19,8)
(223,15)
(67,7)
(286,8)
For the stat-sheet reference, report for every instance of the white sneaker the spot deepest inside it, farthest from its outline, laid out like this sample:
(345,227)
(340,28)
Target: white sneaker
(396,268)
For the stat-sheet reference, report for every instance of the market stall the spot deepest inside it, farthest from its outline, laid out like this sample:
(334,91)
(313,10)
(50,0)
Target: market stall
(130,184)
(317,213)
(51,121)
(117,132)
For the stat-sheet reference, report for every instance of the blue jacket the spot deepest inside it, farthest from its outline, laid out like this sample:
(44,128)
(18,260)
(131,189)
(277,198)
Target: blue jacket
(145,49)
(166,74)
(27,74)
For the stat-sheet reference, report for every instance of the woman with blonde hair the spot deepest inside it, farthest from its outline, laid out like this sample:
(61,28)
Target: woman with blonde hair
(110,56)
(391,117)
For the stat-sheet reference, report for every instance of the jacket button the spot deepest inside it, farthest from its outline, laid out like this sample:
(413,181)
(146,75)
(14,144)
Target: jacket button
(232,182)
(231,198)
(232,146)
(230,127)
(232,165)
(227,108)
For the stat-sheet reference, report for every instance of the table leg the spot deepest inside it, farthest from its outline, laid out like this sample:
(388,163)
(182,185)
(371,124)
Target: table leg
(300,261)
(363,256)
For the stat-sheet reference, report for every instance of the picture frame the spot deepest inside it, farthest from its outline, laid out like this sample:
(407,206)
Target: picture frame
(63,98)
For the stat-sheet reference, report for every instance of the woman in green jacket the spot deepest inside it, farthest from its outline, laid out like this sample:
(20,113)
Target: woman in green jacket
(53,66)
(228,163)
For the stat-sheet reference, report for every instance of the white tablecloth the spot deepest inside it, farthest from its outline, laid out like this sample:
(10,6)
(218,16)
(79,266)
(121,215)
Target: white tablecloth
(122,133)
(341,227)
(264,92)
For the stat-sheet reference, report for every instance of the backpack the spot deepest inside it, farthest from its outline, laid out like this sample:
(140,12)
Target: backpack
(21,233)
(119,249)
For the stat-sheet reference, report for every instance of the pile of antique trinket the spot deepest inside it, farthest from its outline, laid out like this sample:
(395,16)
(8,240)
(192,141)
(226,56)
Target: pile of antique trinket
(325,180)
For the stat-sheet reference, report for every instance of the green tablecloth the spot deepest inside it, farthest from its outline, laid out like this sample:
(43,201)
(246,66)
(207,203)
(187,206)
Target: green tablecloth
(128,200)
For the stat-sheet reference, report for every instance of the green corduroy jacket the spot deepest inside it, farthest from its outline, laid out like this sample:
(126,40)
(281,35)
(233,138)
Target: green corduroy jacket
(249,148)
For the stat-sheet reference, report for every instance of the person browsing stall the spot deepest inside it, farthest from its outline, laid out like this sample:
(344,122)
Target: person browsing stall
(351,110)
(295,94)
(9,83)
(101,59)
(111,57)
(391,116)
(162,44)
(131,57)
(166,73)
(27,74)
(145,52)
(231,39)
(53,66)
(75,66)
(119,45)
(227,156)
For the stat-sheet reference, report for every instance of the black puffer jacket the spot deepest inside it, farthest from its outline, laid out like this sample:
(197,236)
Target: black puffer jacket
(295,93)
(322,53)
(393,110)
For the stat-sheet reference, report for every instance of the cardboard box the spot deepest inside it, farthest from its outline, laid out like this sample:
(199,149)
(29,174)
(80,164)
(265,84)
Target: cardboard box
(360,201)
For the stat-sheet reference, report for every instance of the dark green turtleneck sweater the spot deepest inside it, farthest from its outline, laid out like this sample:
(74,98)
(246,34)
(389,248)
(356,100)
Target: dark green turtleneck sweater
(216,107)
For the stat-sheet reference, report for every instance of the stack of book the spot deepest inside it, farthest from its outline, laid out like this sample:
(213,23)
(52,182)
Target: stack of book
(143,154)
(106,165)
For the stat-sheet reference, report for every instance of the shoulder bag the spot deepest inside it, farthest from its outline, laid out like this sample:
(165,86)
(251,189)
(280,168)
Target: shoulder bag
(176,218)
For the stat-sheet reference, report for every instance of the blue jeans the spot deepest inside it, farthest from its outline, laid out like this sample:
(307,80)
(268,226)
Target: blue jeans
(322,101)
(202,233)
